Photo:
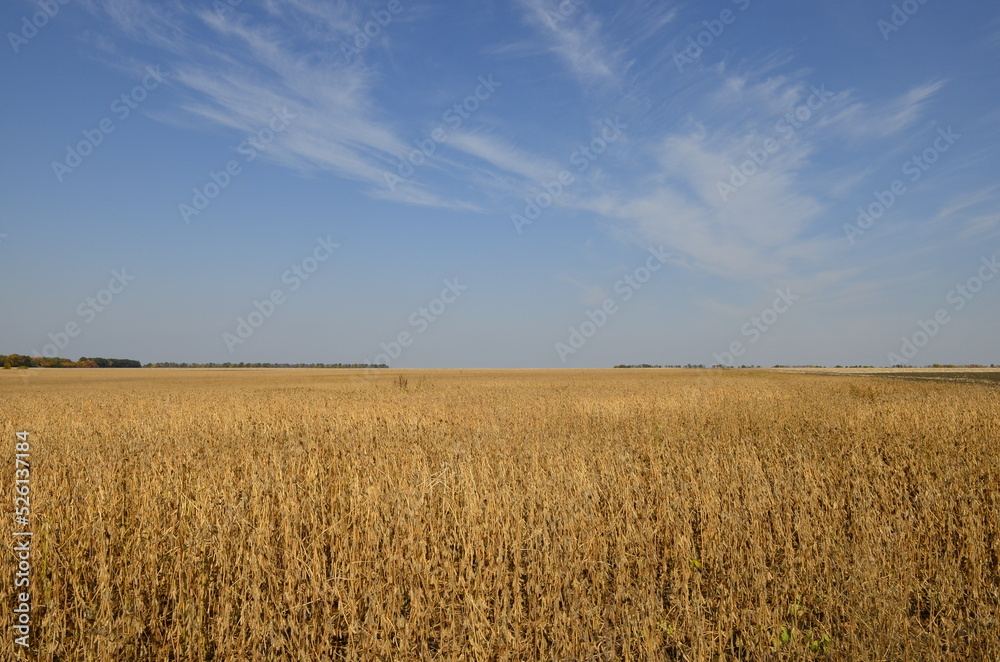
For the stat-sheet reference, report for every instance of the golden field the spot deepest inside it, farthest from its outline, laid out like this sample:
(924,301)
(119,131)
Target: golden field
(504,515)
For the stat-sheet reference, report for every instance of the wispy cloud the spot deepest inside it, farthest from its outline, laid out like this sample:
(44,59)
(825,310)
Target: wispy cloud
(667,188)
(975,215)
(142,21)
(504,156)
(883,119)
(967,200)
(575,36)
(767,227)
(247,71)
(753,234)
(981,227)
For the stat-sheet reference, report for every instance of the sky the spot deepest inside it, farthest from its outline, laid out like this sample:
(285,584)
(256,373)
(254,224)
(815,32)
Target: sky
(508,184)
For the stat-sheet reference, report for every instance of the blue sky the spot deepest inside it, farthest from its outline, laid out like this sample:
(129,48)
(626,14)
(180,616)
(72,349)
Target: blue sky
(525,183)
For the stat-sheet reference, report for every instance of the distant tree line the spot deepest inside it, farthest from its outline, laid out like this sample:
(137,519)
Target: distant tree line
(98,362)
(20,361)
(649,365)
(169,364)
(947,365)
(719,365)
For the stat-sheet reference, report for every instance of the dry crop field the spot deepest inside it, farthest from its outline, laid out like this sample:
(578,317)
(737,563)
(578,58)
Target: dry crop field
(504,515)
